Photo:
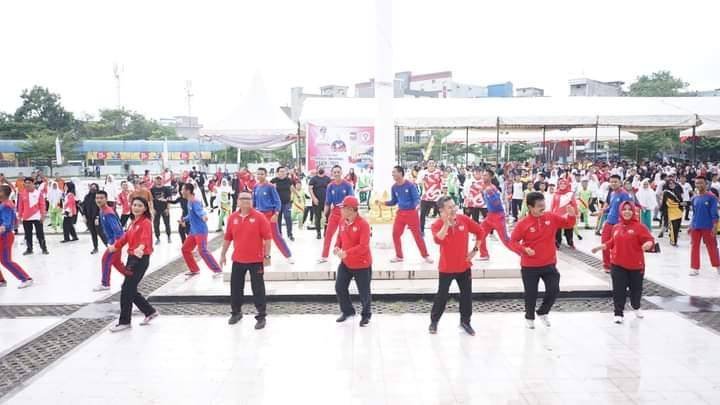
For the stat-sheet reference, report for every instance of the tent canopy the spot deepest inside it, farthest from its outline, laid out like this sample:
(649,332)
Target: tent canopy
(632,113)
(708,129)
(257,124)
(475,136)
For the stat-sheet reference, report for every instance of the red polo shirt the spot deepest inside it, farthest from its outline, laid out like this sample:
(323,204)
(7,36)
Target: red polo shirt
(248,234)
(139,233)
(354,239)
(538,233)
(454,248)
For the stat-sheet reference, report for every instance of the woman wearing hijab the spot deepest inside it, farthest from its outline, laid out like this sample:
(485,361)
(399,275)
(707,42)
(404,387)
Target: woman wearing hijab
(112,191)
(630,239)
(672,210)
(647,199)
(224,192)
(54,198)
(69,212)
(563,198)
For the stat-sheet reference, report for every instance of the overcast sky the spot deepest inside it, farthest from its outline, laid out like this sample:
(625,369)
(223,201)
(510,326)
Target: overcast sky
(71,46)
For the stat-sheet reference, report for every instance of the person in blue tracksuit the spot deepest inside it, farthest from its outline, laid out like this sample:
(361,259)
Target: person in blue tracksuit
(8,221)
(110,225)
(198,234)
(267,200)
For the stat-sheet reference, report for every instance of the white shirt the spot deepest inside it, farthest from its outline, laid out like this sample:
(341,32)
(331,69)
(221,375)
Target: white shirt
(517,191)
(687,189)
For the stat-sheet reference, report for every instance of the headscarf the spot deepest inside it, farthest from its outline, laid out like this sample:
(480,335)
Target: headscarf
(634,217)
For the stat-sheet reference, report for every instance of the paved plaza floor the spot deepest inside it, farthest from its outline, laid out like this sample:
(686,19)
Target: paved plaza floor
(55,347)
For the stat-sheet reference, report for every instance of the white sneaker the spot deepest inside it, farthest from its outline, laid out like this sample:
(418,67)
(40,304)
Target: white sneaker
(694,272)
(638,313)
(545,320)
(101,288)
(218,274)
(530,323)
(396,260)
(120,328)
(149,318)
(26,284)
(618,320)
(428,260)
(290,260)
(322,260)
(483,258)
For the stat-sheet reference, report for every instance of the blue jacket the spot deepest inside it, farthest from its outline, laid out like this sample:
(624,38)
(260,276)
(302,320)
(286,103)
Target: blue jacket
(110,225)
(405,196)
(337,192)
(493,200)
(266,198)
(616,199)
(705,211)
(8,216)
(195,216)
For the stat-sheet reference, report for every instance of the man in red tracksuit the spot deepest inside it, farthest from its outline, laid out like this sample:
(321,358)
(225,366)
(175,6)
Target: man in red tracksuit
(534,240)
(405,196)
(451,232)
(353,249)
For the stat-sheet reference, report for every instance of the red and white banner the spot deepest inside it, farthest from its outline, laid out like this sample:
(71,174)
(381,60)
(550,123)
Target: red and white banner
(349,147)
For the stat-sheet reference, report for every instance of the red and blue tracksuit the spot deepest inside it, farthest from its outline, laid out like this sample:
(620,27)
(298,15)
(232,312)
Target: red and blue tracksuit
(495,219)
(613,217)
(8,219)
(702,227)
(113,231)
(267,200)
(197,237)
(334,195)
(407,198)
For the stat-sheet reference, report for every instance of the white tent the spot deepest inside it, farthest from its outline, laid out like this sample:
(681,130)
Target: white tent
(258,124)
(512,135)
(632,113)
(707,129)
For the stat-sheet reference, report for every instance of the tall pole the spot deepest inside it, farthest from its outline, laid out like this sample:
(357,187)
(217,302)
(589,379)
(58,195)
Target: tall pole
(299,160)
(695,141)
(384,85)
(497,141)
(467,150)
(619,149)
(397,146)
(596,142)
(544,148)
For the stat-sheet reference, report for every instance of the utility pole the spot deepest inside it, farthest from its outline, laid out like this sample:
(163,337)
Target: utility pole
(117,70)
(189,95)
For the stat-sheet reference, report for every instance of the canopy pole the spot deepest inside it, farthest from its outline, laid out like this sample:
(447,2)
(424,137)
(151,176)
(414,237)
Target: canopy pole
(497,141)
(467,141)
(299,160)
(695,140)
(397,145)
(619,149)
(596,141)
(544,147)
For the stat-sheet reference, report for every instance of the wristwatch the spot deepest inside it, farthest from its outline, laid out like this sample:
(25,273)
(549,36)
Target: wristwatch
(267,257)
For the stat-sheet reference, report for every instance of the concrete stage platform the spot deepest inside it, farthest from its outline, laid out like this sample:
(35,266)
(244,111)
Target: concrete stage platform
(413,278)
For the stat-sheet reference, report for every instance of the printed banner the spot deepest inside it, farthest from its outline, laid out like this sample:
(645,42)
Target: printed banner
(349,147)
(8,156)
(146,155)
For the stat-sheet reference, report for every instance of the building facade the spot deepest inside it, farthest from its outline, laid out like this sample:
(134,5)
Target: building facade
(585,87)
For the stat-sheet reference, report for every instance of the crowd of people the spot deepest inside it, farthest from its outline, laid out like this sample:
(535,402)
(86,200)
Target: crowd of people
(530,207)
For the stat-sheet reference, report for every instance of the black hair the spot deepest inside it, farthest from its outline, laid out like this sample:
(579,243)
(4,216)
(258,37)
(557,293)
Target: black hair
(338,166)
(144,202)
(189,187)
(441,202)
(5,190)
(123,182)
(533,197)
(400,169)
(616,176)
(30,179)
(262,169)
(101,192)
(70,187)
(158,177)
(490,172)
(280,167)
(321,171)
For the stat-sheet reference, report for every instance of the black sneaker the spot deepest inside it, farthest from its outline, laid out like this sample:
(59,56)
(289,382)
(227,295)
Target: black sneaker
(343,318)
(27,252)
(467,328)
(45,252)
(364,321)
(579,237)
(64,241)
(169,240)
(260,324)
(432,328)
(235,318)
(157,241)
(292,238)
(318,237)
(94,251)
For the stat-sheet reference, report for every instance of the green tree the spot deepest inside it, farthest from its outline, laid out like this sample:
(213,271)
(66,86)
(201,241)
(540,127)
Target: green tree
(41,107)
(659,84)
(121,124)
(40,145)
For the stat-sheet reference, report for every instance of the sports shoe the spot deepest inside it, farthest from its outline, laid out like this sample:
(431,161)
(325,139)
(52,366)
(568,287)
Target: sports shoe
(101,288)
(149,318)
(169,239)
(433,328)
(638,313)
(291,260)
(218,274)
(157,241)
(483,258)
(343,317)
(618,320)
(428,260)
(694,272)
(260,324)
(27,252)
(545,319)
(45,252)
(120,327)
(3,283)
(322,260)
(26,284)
(396,260)
(364,321)
(467,328)
(530,323)
(235,318)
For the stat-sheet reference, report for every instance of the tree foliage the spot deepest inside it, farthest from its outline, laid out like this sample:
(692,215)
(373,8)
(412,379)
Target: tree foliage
(43,108)
(40,145)
(659,84)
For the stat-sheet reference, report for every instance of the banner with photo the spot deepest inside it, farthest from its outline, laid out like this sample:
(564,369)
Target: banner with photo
(349,147)
(146,155)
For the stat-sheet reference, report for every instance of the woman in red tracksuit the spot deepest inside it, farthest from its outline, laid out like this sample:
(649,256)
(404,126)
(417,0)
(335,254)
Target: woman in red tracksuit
(630,239)
(139,240)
